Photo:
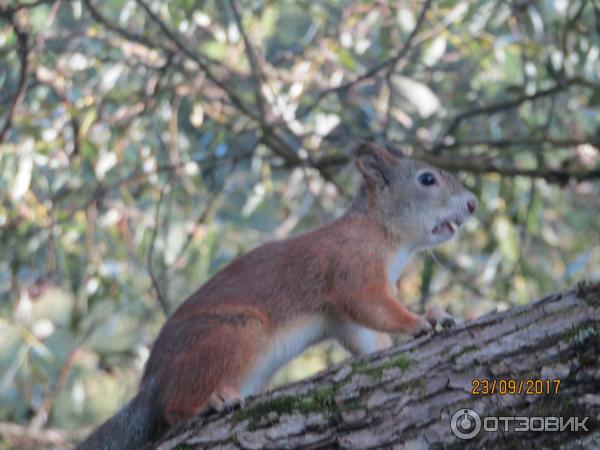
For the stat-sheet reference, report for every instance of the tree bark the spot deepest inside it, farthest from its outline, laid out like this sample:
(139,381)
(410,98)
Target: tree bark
(404,398)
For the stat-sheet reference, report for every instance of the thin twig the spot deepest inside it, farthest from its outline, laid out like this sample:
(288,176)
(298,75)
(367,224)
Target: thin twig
(501,106)
(208,208)
(124,33)
(162,300)
(23,51)
(519,142)
(257,72)
(21,5)
(558,176)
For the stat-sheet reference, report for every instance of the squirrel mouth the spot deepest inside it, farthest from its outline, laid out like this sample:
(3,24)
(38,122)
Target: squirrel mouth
(447,225)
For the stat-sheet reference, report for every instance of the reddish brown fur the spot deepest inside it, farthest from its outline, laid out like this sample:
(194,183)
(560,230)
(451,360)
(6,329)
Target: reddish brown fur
(211,339)
(209,346)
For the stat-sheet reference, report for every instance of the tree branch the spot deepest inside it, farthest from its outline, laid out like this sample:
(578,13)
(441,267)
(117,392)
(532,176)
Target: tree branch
(482,165)
(405,397)
(178,42)
(280,146)
(503,106)
(522,142)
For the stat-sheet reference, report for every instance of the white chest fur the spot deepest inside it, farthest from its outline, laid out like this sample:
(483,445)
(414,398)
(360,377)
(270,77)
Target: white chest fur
(397,265)
(292,340)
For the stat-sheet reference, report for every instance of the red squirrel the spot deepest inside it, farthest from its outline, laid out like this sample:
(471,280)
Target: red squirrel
(267,306)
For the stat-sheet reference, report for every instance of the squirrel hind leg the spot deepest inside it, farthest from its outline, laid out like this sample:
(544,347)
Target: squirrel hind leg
(212,372)
(226,399)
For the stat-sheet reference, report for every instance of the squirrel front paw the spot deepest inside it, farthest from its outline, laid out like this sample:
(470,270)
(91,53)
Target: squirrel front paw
(435,315)
(421,327)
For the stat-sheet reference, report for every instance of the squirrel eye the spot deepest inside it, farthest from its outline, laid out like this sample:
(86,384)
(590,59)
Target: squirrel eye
(427,179)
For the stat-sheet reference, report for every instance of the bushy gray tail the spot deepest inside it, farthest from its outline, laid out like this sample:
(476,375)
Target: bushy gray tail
(135,425)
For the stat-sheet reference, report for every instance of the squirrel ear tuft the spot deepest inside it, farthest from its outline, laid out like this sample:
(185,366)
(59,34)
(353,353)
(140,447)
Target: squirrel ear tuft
(375,163)
(395,151)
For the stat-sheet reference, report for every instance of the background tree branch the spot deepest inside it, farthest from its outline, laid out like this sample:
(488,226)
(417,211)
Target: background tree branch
(12,16)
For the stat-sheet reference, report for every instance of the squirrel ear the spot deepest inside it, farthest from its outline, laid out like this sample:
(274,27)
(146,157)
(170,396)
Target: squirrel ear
(375,164)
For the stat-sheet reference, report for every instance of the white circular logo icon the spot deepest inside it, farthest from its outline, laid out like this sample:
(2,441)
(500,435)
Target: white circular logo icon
(465,424)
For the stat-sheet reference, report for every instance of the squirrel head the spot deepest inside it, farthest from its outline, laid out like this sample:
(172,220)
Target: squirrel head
(416,203)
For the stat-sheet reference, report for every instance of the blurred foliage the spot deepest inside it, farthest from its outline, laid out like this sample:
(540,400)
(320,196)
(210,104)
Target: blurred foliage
(145,145)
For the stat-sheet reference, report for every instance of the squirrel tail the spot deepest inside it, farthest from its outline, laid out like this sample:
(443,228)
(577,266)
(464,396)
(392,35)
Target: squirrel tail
(134,426)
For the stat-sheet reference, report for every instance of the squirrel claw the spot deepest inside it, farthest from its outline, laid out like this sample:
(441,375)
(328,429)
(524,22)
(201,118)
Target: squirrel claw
(436,315)
(422,327)
(448,322)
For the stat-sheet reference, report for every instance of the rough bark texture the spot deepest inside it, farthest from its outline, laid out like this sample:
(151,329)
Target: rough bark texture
(404,398)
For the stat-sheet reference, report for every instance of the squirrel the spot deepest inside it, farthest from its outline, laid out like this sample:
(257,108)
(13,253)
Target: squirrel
(336,281)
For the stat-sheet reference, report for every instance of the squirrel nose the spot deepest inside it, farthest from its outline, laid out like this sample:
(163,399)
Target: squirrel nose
(471,205)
